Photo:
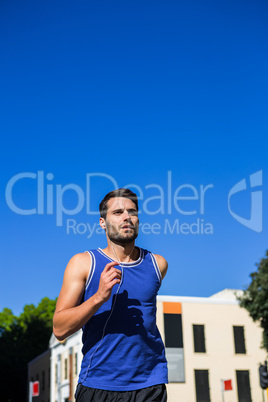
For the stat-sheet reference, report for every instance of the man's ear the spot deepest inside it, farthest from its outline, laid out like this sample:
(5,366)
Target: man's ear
(102,223)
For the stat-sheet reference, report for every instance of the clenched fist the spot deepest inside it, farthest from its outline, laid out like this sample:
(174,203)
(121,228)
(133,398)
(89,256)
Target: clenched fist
(110,276)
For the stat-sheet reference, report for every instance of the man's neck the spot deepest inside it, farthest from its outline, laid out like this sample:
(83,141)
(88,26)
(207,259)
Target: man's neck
(121,253)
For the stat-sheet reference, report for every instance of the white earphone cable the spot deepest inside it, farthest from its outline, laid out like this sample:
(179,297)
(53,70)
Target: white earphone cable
(111,312)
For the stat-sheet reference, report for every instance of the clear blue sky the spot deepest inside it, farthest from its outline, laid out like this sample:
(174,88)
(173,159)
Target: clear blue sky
(146,92)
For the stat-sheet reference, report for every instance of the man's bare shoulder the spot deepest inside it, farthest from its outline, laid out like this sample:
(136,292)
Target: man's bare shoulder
(162,264)
(79,265)
(74,281)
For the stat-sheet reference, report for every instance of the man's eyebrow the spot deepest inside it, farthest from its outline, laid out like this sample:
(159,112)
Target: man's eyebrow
(122,209)
(118,210)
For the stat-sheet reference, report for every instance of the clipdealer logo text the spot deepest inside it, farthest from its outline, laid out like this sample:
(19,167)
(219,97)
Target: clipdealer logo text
(186,200)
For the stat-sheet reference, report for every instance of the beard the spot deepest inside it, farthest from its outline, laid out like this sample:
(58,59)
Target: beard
(121,238)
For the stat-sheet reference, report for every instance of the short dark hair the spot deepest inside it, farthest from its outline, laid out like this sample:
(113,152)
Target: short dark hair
(121,192)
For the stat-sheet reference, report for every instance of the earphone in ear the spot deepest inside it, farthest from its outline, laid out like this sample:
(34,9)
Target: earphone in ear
(103,226)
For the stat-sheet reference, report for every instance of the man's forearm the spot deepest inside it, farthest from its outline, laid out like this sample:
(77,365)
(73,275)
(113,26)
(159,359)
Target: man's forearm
(67,321)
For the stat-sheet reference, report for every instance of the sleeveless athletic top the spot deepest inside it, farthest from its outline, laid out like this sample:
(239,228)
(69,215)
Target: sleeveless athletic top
(122,347)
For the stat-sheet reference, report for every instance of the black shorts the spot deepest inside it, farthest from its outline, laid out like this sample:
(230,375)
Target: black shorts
(156,393)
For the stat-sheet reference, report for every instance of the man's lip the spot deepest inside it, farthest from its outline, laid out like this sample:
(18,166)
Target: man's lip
(127,227)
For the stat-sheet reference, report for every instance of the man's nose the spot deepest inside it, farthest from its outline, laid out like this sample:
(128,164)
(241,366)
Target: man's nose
(126,215)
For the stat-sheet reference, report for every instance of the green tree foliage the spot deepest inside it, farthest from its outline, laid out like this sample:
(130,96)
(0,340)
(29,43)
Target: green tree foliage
(255,298)
(21,340)
(7,319)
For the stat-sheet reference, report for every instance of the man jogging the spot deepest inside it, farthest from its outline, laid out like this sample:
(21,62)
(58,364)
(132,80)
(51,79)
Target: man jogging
(111,294)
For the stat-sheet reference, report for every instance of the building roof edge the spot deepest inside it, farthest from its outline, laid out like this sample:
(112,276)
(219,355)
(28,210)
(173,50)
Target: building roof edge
(189,299)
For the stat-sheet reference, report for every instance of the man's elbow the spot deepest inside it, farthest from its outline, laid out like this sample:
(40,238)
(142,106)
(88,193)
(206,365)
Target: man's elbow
(58,334)
(57,331)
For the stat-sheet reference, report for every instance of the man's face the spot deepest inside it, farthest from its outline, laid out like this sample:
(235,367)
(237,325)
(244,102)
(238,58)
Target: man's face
(122,222)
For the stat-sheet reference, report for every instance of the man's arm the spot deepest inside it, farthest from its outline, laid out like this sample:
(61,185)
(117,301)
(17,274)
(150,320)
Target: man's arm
(70,315)
(162,263)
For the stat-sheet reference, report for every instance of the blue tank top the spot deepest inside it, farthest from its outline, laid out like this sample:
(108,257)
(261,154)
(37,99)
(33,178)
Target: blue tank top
(122,346)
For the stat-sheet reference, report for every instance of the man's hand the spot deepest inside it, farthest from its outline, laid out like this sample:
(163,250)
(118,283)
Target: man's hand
(110,276)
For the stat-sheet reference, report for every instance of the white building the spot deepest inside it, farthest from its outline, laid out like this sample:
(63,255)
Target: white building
(66,358)
(207,340)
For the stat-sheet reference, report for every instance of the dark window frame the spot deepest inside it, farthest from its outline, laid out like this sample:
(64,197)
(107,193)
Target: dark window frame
(239,339)
(243,386)
(76,363)
(202,388)
(66,369)
(173,330)
(199,338)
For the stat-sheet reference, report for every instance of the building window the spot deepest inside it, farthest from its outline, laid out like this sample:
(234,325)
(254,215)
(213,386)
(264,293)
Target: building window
(173,331)
(65,369)
(174,341)
(76,363)
(239,340)
(199,338)
(243,386)
(202,386)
